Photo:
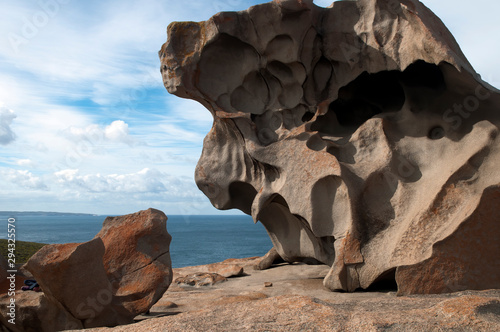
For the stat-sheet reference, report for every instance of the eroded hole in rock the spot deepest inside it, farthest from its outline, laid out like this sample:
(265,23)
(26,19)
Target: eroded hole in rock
(368,96)
(372,94)
(436,133)
(315,143)
(423,74)
(271,172)
(386,282)
(221,71)
(423,82)
(307,116)
(242,195)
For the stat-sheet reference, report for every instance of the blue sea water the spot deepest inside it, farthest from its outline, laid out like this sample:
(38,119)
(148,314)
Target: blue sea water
(196,240)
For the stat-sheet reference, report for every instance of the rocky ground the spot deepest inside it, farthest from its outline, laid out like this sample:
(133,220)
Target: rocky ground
(298,301)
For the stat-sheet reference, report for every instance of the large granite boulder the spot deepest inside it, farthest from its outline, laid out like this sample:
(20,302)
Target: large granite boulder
(73,275)
(111,279)
(137,258)
(358,134)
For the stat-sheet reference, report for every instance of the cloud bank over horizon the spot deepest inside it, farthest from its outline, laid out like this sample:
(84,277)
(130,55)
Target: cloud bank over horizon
(85,122)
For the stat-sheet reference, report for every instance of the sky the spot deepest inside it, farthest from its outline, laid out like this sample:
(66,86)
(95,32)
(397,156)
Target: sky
(85,122)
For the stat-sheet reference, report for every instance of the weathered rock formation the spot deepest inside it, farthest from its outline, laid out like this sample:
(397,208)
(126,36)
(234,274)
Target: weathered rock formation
(269,259)
(226,270)
(359,135)
(200,279)
(210,274)
(107,281)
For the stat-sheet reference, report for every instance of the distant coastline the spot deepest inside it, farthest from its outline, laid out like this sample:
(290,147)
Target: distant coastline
(51,213)
(43,213)
(196,240)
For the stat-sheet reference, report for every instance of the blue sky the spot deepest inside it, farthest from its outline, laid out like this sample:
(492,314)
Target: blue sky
(85,122)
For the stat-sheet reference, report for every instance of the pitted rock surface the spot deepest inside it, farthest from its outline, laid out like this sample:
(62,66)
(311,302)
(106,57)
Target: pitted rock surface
(359,135)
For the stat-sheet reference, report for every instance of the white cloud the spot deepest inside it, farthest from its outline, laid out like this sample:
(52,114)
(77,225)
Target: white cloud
(145,182)
(25,162)
(24,179)
(66,175)
(6,117)
(323,3)
(116,132)
(91,132)
(44,125)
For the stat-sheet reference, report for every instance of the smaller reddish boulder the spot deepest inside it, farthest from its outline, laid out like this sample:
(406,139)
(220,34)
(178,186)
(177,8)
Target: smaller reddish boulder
(111,279)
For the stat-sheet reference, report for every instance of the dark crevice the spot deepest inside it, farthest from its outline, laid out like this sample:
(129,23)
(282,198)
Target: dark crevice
(372,94)
(436,133)
(423,74)
(326,124)
(242,195)
(116,278)
(368,96)
(307,116)
(385,282)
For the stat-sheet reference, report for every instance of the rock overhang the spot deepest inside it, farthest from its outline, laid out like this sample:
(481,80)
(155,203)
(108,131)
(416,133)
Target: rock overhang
(329,123)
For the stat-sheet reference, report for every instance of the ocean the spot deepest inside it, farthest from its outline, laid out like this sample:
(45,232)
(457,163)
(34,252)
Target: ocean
(196,240)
